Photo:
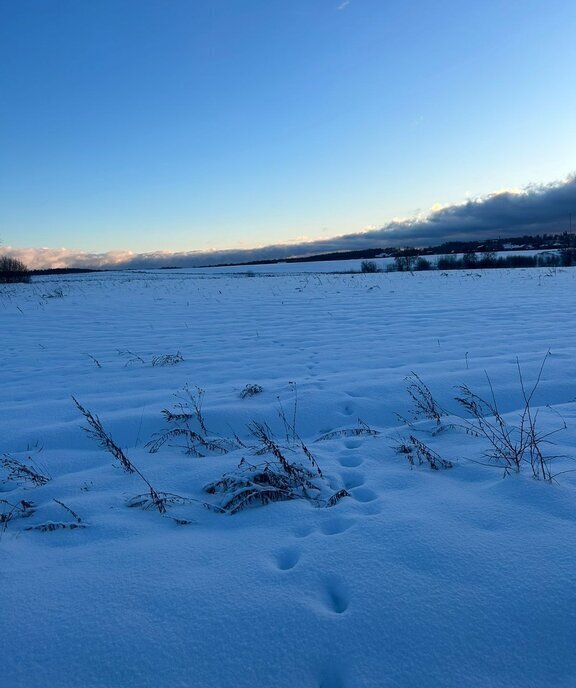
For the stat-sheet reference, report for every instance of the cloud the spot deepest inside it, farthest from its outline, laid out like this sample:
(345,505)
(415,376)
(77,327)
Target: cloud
(507,213)
(343,5)
(37,258)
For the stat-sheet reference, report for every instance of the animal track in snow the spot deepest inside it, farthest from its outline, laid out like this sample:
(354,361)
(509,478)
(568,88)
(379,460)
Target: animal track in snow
(350,461)
(353,479)
(336,595)
(335,525)
(364,494)
(352,443)
(303,531)
(287,558)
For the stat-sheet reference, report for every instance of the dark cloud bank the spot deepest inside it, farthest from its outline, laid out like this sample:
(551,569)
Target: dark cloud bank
(534,210)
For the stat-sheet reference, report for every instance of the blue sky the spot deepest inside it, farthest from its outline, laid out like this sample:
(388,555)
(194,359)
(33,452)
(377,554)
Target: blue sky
(189,125)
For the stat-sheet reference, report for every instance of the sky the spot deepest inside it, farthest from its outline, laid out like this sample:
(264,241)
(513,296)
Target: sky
(131,127)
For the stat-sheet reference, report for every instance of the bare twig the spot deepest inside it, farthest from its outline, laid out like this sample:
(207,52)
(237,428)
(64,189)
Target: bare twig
(21,472)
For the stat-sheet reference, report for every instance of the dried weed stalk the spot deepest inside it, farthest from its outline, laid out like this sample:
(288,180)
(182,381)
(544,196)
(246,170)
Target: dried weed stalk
(424,454)
(167,359)
(10,512)
(511,445)
(280,479)
(363,429)
(96,431)
(22,472)
(424,403)
(251,391)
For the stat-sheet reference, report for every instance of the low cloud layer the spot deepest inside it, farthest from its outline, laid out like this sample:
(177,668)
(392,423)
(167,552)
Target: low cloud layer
(535,210)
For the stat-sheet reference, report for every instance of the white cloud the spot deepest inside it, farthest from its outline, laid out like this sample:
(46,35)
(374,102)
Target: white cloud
(39,258)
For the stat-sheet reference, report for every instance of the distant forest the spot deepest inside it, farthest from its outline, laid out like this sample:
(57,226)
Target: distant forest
(539,242)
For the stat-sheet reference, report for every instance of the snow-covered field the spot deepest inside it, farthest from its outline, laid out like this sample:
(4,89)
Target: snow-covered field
(418,577)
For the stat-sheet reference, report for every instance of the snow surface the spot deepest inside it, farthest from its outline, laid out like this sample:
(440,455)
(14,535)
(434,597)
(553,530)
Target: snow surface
(448,578)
